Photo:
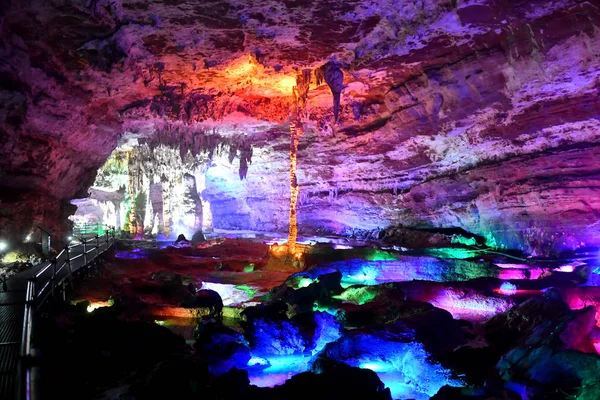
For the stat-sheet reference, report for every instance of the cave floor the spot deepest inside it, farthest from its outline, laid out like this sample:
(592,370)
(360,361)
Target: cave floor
(414,317)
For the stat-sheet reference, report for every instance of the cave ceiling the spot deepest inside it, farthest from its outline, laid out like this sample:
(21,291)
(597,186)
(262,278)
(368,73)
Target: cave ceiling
(480,114)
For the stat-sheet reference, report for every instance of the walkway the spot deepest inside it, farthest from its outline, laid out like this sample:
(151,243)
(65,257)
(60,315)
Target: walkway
(13,304)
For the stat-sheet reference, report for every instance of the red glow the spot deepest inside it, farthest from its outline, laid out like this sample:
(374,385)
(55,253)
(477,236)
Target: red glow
(519,292)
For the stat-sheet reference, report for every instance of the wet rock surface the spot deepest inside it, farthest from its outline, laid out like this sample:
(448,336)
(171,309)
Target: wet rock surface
(314,334)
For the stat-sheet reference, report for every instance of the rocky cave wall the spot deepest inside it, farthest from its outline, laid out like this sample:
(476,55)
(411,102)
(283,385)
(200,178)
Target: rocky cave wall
(475,114)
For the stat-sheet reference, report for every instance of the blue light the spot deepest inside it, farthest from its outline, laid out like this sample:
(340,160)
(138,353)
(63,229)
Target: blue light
(278,369)
(131,255)
(258,361)
(375,366)
(508,288)
(404,367)
(366,275)
(281,351)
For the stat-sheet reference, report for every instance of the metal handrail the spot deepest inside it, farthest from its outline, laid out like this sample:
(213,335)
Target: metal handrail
(35,299)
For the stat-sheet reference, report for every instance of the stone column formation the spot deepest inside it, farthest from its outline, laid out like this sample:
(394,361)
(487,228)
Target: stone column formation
(296,130)
(162,193)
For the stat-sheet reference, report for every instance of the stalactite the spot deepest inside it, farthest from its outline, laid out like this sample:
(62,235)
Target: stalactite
(334,78)
(201,141)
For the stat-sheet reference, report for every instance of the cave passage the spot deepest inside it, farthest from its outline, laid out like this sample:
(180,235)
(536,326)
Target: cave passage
(374,199)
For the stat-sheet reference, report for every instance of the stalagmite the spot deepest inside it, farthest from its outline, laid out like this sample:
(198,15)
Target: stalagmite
(296,130)
(192,204)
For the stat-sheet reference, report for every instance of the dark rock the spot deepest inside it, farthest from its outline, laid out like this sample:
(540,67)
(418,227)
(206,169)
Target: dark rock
(179,378)
(198,237)
(222,347)
(335,381)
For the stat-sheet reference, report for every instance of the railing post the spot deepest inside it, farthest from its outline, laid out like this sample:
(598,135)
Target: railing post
(84,251)
(53,276)
(25,386)
(68,259)
(97,246)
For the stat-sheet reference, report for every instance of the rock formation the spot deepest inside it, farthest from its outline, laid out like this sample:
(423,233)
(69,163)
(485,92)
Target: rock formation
(481,115)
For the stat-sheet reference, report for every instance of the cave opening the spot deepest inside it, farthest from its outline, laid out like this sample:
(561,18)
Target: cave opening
(374,199)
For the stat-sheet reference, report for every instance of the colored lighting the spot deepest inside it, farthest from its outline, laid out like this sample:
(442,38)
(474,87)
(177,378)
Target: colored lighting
(96,305)
(452,252)
(510,274)
(507,289)
(375,366)
(565,268)
(231,294)
(131,255)
(460,239)
(476,308)
(3,246)
(404,367)
(379,255)
(250,291)
(305,282)
(366,276)
(359,295)
(258,361)
(342,247)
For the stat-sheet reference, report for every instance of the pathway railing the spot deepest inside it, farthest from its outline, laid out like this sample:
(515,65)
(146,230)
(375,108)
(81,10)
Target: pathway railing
(46,283)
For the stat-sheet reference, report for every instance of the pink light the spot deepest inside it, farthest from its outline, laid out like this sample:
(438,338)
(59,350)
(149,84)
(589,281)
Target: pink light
(475,308)
(509,274)
(565,268)
(512,266)
(580,297)
(535,273)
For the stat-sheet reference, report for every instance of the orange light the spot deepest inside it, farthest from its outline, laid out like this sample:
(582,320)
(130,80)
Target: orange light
(247,73)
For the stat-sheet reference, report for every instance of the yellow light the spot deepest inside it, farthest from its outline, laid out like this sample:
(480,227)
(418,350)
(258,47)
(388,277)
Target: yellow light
(286,84)
(256,79)
(243,66)
(97,304)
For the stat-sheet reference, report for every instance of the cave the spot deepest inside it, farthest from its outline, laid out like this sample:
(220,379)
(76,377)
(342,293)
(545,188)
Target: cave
(371,199)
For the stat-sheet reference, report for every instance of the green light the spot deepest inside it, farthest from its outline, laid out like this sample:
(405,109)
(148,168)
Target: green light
(304,282)
(319,308)
(379,255)
(359,295)
(453,252)
(249,268)
(490,241)
(460,239)
(298,282)
(250,292)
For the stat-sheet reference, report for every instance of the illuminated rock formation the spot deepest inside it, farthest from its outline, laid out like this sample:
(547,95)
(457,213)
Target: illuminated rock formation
(479,115)
(296,131)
